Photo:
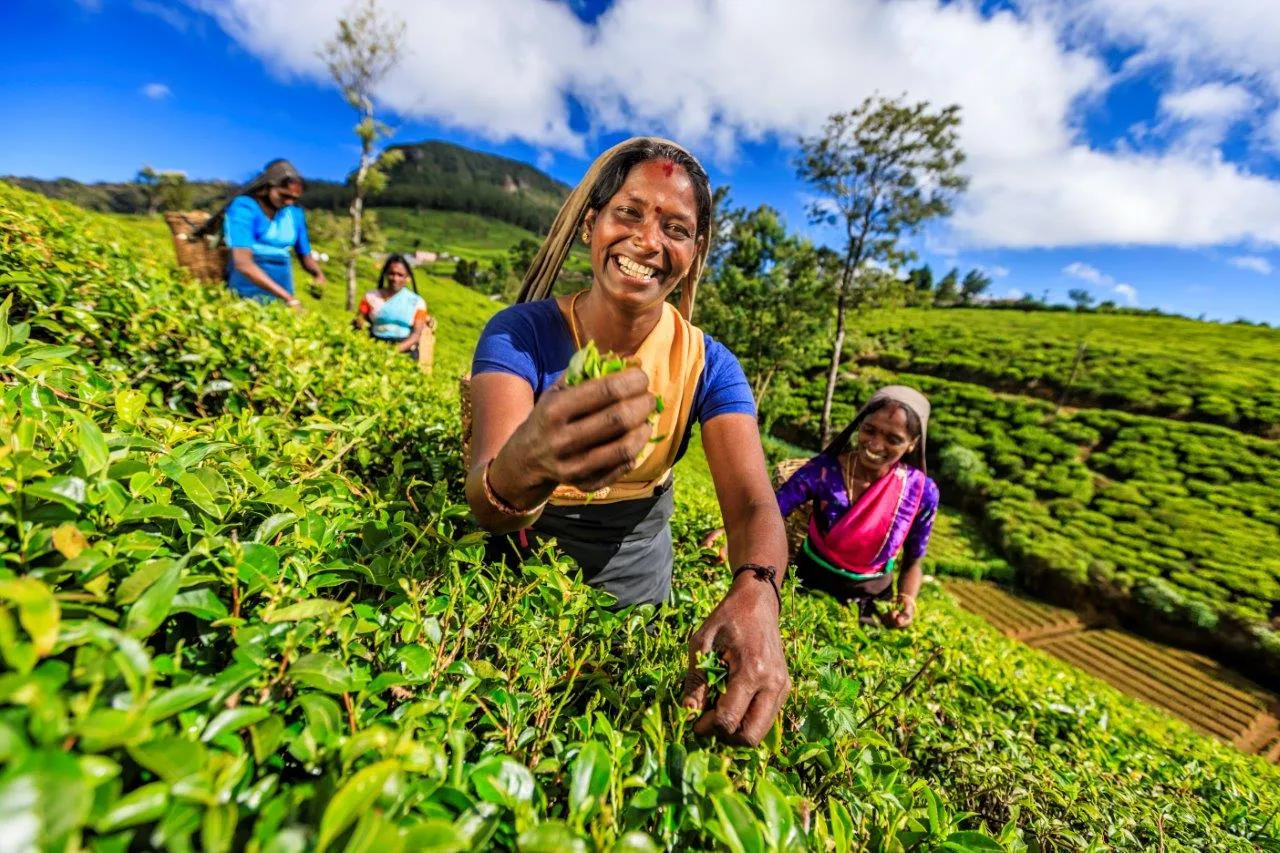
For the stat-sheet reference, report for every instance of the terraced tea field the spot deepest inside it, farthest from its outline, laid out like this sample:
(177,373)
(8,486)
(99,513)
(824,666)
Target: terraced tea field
(1211,698)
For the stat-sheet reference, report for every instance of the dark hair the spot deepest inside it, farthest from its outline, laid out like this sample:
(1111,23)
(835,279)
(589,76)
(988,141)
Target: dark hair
(397,259)
(280,172)
(841,442)
(277,173)
(614,175)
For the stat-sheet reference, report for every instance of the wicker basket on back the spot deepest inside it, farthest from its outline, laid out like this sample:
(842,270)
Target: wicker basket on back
(464,406)
(798,522)
(206,257)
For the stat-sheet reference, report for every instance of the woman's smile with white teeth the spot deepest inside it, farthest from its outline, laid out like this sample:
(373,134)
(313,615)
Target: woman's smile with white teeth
(634,269)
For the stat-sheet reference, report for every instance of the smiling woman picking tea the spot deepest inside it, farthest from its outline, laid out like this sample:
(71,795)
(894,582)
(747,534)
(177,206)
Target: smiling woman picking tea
(873,506)
(590,464)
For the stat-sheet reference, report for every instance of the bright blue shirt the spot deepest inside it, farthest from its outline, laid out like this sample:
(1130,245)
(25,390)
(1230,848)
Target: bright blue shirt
(532,340)
(247,227)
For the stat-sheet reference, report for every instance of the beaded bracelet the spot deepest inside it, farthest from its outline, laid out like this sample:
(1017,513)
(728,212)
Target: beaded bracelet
(762,573)
(498,503)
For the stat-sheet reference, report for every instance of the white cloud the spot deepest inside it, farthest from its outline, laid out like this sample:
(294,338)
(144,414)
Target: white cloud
(1093,275)
(1129,292)
(1014,293)
(698,72)
(1193,40)
(1209,102)
(1253,263)
(172,16)
(1087,272)
(157,91)
(1202,116)
(998,271)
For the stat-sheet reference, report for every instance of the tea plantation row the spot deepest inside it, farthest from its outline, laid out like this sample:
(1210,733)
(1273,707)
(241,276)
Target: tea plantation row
(241,607)
(1168,366)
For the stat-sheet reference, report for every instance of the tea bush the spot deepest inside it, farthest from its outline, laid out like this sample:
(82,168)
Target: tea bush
(1170,366)
(242,607)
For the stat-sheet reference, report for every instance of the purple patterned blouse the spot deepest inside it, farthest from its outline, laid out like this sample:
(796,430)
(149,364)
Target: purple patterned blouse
(821,481)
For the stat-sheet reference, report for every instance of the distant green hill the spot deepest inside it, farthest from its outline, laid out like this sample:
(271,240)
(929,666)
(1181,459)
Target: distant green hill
(116,197)
(434,175)
(442,176)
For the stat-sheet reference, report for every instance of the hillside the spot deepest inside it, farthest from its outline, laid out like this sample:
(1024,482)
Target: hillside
(443,176)
(434,175)
(243,610)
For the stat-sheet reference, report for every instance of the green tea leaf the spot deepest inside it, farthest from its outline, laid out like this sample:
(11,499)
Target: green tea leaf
(141,805)
(38,611)
(42,801)
(739,829)
(352,799)
(152,606)
(503,782)
(218,830)
(553,836)
(129,405)
(178,699)
(312,608)
(436,835)
(171,757)
(233,720)
(93,445)
(588,779)
(971,842)
(634,842)
(202,603)
(323,672)
(199,493)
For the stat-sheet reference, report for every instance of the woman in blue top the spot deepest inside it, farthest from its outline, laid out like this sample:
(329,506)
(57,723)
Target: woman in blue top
(584,466)
(263,227)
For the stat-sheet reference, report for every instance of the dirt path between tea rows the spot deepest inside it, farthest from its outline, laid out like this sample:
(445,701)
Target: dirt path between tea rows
(1212,698)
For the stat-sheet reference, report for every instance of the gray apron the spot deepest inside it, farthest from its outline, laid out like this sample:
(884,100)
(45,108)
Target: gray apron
(623,547)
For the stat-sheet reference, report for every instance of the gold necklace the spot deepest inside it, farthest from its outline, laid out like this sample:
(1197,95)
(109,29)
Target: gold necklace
(850,476)
(573,318)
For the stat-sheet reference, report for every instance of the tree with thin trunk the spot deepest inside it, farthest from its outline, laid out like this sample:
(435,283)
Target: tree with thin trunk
(948,291)
(364,50)
(880,171)
(975,283)
(1082,298)
(763,294)
(149,180)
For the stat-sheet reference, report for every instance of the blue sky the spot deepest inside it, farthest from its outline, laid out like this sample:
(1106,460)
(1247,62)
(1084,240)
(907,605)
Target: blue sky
(1125,146)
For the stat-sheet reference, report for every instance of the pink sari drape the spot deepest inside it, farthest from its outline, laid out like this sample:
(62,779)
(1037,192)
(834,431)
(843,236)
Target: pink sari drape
(856,543)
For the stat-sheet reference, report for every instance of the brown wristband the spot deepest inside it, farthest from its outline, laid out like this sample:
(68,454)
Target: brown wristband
(762,573)
(499,503)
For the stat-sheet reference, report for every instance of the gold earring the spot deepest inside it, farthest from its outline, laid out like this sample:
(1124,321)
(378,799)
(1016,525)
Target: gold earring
(586,236)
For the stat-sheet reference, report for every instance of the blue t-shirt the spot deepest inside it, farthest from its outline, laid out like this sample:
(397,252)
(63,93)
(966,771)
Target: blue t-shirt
(532,340)
(247,227)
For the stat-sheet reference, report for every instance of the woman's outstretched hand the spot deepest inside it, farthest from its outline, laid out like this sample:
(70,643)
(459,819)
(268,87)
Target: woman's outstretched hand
(902,614)
(743,631)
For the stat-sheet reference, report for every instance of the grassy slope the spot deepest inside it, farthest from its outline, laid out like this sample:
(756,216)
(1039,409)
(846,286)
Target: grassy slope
(1003,727)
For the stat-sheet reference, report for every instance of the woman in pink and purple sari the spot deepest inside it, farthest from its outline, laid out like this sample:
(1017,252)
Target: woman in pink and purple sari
(873,507)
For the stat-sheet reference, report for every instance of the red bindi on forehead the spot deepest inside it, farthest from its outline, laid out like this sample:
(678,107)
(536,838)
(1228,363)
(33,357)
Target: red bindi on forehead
(668,167)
